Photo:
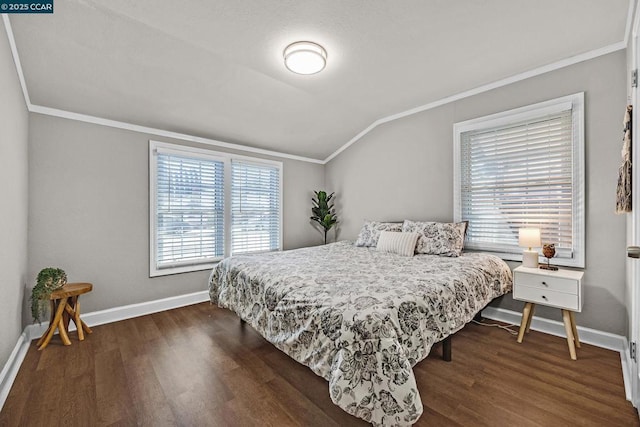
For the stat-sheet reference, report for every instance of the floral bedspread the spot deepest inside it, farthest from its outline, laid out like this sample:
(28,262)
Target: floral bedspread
(359,318)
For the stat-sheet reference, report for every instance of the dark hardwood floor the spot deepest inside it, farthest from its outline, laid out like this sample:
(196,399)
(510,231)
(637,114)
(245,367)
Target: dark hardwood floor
(198,366)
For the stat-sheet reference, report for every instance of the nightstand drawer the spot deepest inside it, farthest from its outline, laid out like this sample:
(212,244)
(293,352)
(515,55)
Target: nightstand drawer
(547,282)
(546,297)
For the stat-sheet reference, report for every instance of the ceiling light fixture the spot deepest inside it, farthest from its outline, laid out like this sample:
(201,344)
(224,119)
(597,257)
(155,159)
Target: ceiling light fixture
(305,57)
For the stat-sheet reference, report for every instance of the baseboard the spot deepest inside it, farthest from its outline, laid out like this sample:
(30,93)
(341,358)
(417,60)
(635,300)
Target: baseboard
(626,371)
(116,314)
(553,327)
(10,370)
(587,335)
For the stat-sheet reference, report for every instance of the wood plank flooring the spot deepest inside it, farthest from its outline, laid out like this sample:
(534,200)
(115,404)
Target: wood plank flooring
(198,366)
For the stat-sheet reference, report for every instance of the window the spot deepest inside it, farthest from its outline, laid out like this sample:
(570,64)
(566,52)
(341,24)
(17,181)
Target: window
(189,209)
(523,168)
(255,207)
(206,205)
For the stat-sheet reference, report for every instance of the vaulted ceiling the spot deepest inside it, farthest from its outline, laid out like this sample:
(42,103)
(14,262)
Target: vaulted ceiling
(214,68)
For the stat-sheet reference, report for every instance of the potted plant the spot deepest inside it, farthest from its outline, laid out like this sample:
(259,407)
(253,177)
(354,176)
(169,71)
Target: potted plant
(323,212)
(49,279)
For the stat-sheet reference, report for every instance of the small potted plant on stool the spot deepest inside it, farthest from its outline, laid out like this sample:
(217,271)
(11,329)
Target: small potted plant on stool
(49,279)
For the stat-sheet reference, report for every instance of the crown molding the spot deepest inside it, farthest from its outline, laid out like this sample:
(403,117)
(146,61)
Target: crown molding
(55,112)
(630,29)
(631,19)
(16,59)
(485,88)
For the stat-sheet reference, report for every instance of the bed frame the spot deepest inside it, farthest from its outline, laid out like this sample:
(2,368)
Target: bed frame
(446,343)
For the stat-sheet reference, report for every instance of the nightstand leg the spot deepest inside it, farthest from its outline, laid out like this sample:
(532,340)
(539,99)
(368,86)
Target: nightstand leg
(525,320)
(566,317)
(574,328)
(533,309)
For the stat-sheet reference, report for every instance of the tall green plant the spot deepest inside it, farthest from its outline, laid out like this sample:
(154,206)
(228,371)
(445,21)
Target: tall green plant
(49,279)
(323,212)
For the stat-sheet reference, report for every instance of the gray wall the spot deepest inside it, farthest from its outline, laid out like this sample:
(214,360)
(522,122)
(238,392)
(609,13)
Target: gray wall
(404,169)
(13,207)
(89,210)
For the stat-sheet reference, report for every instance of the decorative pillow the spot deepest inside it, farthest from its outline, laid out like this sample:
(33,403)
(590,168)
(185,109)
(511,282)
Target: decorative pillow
(437,238)
(370,232)
(397,242)
(466,228)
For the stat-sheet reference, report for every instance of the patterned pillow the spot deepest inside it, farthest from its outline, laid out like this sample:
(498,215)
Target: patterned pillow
(437,238)
(397,242)
(370,232)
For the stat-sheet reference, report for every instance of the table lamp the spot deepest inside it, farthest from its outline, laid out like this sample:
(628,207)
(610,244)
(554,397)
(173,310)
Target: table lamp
(529,238)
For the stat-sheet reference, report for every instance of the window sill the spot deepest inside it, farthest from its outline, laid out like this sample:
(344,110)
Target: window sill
(563,262)
(158,272)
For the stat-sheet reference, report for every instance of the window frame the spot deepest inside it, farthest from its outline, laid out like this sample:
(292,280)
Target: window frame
(529,112)
(195,152)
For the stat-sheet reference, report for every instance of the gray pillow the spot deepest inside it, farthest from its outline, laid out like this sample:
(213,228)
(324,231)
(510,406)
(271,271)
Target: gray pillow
(370,232)
(437,238)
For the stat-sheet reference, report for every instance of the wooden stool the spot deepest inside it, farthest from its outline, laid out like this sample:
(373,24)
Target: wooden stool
(65,307)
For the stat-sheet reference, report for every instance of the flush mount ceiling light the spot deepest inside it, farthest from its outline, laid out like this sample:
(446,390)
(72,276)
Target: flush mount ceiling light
(305,57)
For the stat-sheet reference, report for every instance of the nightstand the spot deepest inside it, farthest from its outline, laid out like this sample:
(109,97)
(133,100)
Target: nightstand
(560,289)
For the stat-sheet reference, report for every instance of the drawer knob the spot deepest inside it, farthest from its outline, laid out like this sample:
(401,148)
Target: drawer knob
(543,297)
(545,283)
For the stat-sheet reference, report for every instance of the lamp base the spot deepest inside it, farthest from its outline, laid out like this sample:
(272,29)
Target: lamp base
(530,259)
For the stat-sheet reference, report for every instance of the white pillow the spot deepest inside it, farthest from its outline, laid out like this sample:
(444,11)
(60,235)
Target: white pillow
(397,243)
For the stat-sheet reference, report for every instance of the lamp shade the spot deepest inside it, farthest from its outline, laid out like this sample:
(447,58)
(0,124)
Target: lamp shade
(529,238)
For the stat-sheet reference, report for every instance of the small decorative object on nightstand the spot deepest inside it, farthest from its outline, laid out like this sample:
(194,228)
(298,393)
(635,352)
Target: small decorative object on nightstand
(529,238)
(561,289)
(549,251)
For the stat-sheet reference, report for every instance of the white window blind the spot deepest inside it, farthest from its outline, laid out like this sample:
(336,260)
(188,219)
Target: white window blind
(206,205)
(255,207)
(189,210)
(523,170)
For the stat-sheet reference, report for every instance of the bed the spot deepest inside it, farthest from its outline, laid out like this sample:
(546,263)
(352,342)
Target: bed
(358,317)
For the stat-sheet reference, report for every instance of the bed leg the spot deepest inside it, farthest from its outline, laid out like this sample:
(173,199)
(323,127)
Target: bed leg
(478,316)
(446,349)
